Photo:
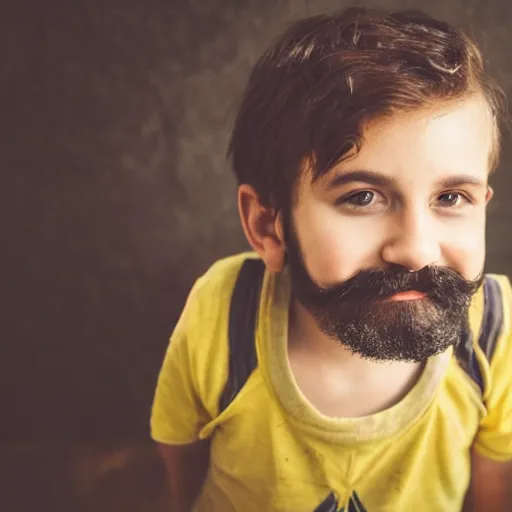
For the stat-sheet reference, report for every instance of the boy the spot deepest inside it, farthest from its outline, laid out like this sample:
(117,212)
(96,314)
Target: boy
(359,359)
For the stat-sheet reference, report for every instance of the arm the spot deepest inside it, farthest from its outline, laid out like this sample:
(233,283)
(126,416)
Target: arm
(491,485)
(186,466)
(189,385)
(179,413)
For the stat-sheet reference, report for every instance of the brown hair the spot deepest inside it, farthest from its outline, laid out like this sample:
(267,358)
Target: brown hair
(311,93)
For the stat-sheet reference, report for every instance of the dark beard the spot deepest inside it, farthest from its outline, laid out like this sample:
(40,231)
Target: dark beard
(356,314)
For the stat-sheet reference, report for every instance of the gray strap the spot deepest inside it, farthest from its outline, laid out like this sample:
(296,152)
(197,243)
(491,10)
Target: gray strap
(492,323)
(242,328)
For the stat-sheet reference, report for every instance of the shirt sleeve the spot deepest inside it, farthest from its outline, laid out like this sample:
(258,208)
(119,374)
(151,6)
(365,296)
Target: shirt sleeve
(178,414)
(494,438)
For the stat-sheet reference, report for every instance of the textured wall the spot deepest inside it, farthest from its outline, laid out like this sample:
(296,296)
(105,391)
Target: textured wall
(116,193)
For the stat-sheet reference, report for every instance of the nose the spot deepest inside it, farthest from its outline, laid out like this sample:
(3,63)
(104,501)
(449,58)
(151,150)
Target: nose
(413,242)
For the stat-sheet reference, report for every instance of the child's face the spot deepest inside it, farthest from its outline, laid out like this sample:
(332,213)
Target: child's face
(417,197)
(394,237)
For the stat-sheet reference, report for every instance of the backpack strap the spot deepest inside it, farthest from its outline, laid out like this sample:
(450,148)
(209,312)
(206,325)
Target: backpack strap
(490,330)
(242,328)
(492,322)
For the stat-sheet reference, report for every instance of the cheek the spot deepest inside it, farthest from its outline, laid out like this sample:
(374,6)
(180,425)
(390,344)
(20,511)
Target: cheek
(464,250)
(335,247)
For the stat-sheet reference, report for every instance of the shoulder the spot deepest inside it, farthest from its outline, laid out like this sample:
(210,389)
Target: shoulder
(210,297)
(222,275)
(204,326)
(494,439)
(496,323)
(502,286)
(491,315)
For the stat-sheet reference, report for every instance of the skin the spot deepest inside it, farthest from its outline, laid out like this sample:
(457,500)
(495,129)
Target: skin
(186,467)
(408,222)
(420,200)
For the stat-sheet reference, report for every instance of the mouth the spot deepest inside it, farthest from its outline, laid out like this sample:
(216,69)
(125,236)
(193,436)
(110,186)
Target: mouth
(408,295)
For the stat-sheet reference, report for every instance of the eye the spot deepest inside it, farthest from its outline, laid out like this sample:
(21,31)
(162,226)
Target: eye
(360,199)
(452,199)
(363,201)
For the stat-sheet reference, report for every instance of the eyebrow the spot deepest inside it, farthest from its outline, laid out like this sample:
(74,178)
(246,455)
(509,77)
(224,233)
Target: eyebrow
(381,180)
(370,177)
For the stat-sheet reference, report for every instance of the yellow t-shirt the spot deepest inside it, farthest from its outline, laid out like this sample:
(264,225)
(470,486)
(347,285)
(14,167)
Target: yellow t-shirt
(273,451)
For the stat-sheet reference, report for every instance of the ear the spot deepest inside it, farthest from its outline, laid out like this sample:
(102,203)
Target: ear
(489,194)
(262,228)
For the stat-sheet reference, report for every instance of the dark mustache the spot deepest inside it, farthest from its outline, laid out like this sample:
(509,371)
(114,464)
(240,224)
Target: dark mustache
(439,283)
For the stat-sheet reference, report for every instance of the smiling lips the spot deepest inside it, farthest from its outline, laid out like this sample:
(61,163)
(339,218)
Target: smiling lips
(409,295)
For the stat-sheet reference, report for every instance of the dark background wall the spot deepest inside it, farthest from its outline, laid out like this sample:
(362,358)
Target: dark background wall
(115,191)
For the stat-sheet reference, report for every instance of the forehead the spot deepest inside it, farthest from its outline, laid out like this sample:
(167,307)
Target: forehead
(428,144)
